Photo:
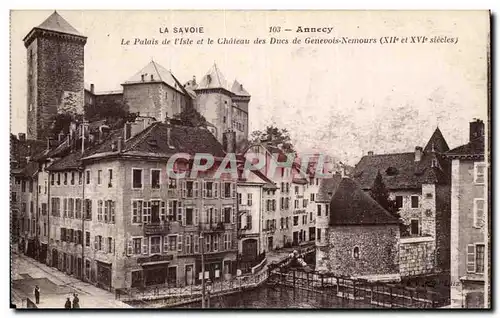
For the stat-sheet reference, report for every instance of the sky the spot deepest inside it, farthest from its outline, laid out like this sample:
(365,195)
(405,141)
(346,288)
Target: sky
(342,100)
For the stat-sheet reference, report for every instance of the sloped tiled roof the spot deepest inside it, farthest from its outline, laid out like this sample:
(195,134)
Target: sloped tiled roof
(350,205)
(160,74)
(400,170)
(327,188)
(57,23)
(472,148)
(238,89)
(213,79)
(437,142)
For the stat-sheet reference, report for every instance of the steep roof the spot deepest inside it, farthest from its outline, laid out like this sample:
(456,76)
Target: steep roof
(57,23)
(350,205)
(437,142)
(327,187)
(160,74)
(238,89)
(213,79)
(474,148)
(401,171)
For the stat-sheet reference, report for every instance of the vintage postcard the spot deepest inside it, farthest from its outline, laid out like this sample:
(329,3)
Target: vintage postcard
(250,159)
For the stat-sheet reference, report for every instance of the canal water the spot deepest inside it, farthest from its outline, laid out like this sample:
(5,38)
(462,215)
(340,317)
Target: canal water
(279,297)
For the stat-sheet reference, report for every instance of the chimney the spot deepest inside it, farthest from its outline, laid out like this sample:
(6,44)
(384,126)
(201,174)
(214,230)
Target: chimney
(152,77)
(241,87)
(92,88)
(418,153)
(194,80)
(370,153)
(209,78)
(120,144)
(142,77)
(476,129)
(169,132)
(22,137)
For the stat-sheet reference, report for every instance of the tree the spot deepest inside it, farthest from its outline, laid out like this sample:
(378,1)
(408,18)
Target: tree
(189,116)
(274,136)
(380,194)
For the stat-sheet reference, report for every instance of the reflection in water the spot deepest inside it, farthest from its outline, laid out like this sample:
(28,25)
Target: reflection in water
(279,297)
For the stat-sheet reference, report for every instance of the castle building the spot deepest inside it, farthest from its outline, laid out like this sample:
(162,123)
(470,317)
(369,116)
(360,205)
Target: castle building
(419,183)
(55,63)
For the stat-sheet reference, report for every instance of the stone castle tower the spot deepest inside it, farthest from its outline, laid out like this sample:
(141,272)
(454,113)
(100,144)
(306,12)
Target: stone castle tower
(55,64)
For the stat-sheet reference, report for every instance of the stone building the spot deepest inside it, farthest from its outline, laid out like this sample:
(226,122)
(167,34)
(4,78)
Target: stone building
(362,237)
(116,219)
(419,183)
(470,253)
(55,62)
(224,105)
(251,188)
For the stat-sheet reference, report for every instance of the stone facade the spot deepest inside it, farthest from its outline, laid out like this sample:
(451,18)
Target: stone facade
(55,78)
(416,256)
(153,99)
(377,247)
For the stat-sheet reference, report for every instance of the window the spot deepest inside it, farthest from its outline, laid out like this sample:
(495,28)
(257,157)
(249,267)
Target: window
(137,245)
(99,211)
(312,197)
(191,189)
(304,203)
(189,246)
(479,258)
(479,168)
(310,216)
(196,244)
(155,178)
(208,189)
(78,208)
(227,241)
(399,202)
(110,245)
(88,209)
(52,179)
(414,201)
(319,209)
(146,212)
(296,220)
(72,178)
(172,183)
(179,243)
(110,178)
(287,187)
(239,198)
(249,199)
(227,214)
(355,253)
(189,216)
(23,186)
(155,246)
(136,211)
(99,243)
(99,176)
(227,190)
(65,178)
(109,211)
(414,227)
(87,176)
(137,178)
(87,238)
(327,209)
(318,236)
(478,216)
(304,219)
(172,242)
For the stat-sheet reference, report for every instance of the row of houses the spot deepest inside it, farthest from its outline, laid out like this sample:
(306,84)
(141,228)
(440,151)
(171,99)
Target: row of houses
(441,197)
(108,212)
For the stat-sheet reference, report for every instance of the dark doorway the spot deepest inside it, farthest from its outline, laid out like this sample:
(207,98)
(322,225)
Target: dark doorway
(270,243)
(104,275)
(154,275)
(172,276)
(55,258)
(249,250)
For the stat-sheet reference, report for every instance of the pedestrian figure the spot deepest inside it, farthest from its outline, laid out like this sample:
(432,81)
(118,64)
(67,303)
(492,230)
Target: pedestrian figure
(67,305)
(37,294)
(76,301)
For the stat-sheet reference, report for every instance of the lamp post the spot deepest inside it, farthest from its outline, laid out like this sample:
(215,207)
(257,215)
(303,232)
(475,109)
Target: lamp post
(202,241)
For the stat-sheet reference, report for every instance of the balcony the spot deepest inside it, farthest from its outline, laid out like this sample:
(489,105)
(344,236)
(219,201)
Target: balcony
(212,227)
(156,228)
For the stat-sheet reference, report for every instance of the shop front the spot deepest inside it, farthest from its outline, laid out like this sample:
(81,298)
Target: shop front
(104,275)
(155,271)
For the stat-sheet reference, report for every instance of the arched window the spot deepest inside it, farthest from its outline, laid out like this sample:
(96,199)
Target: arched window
(355,253)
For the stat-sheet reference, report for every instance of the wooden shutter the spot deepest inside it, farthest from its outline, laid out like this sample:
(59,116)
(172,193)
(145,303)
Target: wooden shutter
(471,258)
(216,189)
(217,215)
(145,246)
(165,244)
(204,183)
(183,188)
(222,190)
(195,189)
(233,212)
(96,246)
(179,243)
(196,216)
(249,221)
(233,190)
